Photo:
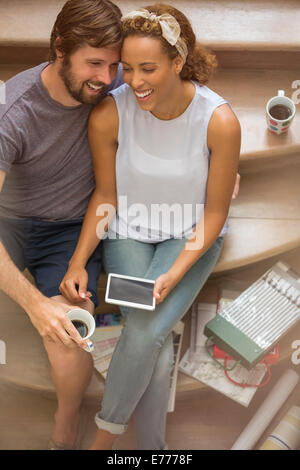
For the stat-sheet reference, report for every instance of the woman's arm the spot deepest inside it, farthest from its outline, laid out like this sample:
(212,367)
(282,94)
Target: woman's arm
(103,139)
(223,140)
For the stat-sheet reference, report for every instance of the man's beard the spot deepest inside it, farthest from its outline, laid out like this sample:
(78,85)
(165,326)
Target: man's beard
(70,82)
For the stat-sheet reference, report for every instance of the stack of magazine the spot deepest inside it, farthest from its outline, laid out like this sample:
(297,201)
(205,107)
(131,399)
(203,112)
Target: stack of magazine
(197,363)
(107,333)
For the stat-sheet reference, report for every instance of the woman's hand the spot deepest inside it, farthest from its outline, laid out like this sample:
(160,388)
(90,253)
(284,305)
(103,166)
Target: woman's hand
(163,286)
(236,186)
(74,285)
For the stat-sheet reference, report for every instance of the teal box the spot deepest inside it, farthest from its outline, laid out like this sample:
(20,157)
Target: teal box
(235,343)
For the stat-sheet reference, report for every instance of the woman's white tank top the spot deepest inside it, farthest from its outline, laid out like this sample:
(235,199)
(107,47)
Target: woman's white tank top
(161,167)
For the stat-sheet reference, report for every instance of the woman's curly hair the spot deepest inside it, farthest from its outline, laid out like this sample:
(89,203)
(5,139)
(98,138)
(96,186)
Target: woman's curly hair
(199,64)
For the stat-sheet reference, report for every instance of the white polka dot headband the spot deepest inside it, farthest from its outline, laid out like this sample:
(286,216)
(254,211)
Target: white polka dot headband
(169,26)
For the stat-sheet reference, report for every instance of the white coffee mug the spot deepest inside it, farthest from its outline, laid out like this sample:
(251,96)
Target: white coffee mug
(81,315)
(279,126)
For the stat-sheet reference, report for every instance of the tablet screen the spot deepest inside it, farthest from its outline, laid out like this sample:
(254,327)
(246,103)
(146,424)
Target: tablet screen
(129,290)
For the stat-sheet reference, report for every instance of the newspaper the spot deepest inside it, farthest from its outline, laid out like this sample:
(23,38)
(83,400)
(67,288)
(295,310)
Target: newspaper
(201,314)
(105,339)
(209,373)
(177,343)
(198,364)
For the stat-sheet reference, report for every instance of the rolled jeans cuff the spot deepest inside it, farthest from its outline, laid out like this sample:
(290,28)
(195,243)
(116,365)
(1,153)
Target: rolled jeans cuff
(113,428)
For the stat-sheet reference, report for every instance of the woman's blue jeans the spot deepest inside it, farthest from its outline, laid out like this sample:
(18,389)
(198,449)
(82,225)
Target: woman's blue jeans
(138,379)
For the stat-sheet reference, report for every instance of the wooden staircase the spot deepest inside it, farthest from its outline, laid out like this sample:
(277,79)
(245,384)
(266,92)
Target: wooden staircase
(257,45)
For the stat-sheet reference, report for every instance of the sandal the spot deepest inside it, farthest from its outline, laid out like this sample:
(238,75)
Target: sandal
(52,445)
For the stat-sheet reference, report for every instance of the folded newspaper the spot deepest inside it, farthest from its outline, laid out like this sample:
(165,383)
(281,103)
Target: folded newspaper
(105,339)
(197,363)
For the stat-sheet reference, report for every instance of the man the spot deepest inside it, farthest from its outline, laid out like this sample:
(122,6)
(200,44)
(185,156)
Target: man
(46,178)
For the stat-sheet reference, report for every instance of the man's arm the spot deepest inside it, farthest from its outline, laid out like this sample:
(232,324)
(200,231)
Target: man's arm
(48,316)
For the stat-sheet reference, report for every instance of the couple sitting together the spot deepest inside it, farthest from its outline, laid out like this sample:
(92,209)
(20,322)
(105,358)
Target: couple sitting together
(121,110)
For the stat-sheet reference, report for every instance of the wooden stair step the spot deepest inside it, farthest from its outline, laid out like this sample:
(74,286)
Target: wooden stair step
(259,197)
(26,419)
(201,421)
(27,365)
(223,24)
(264,220)
(250,240)
(267,206)
(248,97)
(272,195)
(260,148)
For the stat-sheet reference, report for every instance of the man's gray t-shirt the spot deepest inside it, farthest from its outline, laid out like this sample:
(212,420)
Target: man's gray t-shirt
(44,152)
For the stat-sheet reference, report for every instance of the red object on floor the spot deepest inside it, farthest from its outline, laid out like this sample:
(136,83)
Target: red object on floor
(271,358)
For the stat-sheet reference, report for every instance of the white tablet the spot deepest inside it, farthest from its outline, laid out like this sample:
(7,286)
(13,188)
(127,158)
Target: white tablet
(130,291)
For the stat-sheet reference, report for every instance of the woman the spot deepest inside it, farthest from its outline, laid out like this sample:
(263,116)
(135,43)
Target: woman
(161,141)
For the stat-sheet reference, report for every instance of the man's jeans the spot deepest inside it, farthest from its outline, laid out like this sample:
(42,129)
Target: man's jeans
(139,374)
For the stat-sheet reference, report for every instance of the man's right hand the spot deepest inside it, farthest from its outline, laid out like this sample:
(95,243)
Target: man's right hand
(74,285)
(50,318)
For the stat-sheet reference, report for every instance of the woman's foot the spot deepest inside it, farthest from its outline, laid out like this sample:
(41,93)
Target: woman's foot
(104,440)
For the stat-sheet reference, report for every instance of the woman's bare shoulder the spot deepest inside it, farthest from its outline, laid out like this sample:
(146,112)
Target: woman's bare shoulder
(223,125)
(104,115)
(224,120)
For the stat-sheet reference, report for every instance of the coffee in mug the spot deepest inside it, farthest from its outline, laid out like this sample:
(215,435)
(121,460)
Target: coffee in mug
(81,327)
(84,323)
(280,112)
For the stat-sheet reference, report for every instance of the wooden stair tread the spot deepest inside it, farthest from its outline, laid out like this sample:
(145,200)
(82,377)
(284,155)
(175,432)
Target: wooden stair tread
(252,239)
(247,241)
(222,24)
(248,98)
(264,220)
(27,365)
(275,195)
(26,419)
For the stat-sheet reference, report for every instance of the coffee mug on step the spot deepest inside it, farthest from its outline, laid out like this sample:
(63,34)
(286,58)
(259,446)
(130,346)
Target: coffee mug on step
(84,323)
(280,112)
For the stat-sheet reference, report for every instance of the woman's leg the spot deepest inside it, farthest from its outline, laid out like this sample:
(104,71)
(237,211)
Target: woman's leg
(145,333)
(150,414)
(133,258)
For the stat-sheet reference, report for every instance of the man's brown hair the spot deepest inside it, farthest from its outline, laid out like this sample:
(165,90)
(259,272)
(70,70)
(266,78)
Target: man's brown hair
(96,23)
